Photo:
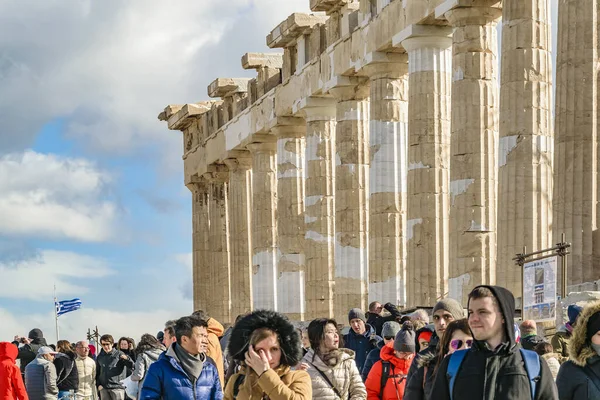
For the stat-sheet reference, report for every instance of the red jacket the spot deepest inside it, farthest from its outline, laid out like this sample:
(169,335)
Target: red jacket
(394,388)
(11,382)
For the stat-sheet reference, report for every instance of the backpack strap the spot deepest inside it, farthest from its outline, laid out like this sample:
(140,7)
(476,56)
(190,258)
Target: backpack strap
(454,363)
(385,374)
(533,367)
(236,385)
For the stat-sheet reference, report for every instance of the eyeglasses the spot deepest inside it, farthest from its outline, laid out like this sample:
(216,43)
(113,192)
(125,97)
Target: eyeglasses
(389,337)
(457,344)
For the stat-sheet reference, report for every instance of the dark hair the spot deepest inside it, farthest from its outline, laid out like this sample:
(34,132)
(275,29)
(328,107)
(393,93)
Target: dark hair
(107,338)
(64,346)
(128,340)
(543,348)
(481,292)
(456,325)
(148,342)
(372,305)
(185,325)
(316,332)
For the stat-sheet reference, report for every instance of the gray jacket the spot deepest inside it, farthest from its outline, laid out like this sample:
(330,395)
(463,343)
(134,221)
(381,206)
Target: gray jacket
(40,380)
(142,363)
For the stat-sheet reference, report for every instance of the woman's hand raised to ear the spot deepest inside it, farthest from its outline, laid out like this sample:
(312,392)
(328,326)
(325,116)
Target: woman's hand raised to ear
(257,361)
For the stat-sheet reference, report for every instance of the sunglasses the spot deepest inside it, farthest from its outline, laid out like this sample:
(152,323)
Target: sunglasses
(389,338)
(457,344)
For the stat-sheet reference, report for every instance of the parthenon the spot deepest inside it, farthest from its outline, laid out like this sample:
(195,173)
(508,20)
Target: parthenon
(387,155)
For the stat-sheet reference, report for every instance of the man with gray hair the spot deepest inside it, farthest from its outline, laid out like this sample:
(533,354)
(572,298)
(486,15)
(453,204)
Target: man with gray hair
(86,369)
(419,315)
(169,334)
(40,376)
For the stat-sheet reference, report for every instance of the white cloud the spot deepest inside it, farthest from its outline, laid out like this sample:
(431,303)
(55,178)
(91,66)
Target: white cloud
(108,67)
(33,279)
(44,195)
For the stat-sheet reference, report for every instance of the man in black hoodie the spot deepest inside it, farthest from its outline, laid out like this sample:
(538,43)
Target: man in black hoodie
(376,318)
(32,343)
(493,368)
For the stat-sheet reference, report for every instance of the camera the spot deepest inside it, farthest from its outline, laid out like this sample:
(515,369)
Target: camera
(23,340)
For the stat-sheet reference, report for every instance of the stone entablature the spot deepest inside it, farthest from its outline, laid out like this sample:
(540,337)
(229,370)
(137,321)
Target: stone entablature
(371,160)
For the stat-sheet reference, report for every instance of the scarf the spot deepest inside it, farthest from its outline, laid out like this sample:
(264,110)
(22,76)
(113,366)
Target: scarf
(596,347)
(192,365)
(331,358)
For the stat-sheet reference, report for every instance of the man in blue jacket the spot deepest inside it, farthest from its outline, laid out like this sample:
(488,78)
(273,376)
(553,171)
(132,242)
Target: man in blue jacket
(361,338)
(184,371)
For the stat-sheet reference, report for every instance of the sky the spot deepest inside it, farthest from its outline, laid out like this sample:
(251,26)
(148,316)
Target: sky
(91,183)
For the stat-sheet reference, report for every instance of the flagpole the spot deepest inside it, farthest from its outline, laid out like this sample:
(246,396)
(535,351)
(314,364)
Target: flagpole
(55,314)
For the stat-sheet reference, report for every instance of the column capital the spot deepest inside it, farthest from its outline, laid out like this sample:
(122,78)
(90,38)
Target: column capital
(263,147)
(289,131)
(217,173)
(345,88)
(419,36)
(316,108)
(385,65)
(243,162)
(444,7)
(473,16)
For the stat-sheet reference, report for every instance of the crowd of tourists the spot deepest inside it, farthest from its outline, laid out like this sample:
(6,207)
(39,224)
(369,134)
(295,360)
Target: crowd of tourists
(384,355)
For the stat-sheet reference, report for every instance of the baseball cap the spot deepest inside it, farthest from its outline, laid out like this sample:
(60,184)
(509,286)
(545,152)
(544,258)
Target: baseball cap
(46,350)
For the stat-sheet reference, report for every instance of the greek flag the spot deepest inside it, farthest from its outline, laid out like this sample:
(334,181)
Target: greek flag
(66,306)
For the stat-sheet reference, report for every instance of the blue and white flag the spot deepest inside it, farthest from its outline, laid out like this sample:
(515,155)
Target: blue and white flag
(66,306)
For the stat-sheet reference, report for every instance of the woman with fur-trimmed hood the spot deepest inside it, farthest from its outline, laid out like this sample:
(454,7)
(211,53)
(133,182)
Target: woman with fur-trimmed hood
(579,378)
(267,345)
(333,371)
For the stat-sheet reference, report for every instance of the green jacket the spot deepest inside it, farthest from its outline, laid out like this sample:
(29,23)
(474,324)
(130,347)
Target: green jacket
(560,343)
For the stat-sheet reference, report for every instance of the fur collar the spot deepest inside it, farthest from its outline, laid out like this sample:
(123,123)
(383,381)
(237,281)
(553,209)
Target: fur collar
(580,349)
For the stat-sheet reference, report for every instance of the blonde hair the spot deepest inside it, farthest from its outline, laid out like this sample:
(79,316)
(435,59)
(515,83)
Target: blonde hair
(260,334)
(64,346)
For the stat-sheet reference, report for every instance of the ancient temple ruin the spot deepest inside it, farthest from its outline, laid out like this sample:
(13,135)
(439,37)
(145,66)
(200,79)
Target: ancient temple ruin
(378,158)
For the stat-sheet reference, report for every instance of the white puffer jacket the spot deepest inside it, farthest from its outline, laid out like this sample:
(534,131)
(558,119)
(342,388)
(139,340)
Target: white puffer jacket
(343,375)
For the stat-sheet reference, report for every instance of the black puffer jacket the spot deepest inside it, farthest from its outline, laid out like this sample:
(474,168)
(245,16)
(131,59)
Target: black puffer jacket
(497,374)
(420,378)
(28,352)
(572,381)
(67,377)
(377,321)
(111,369)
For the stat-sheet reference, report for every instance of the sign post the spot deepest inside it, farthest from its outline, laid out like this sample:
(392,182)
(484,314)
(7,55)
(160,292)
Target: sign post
(539,281)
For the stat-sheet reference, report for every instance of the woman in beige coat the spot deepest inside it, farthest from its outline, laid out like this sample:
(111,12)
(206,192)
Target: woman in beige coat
(332,370)
(267,345)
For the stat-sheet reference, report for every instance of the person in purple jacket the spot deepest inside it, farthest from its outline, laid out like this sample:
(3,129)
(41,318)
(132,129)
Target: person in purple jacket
(184,371)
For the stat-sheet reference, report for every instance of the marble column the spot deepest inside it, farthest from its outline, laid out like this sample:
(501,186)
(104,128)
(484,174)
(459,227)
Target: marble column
(577,113)
(319,213)
(525,156)
(240,230)
(351,198)
(430,66)
(219,245)
(291,264)
(473,185)
(200,241)
(264,221)
(387,177)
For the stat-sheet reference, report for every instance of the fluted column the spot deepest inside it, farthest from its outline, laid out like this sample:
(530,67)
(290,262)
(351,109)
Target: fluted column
(264,233)
(240,216)
(200,242)
(351,198)
(526,138)
(577,123)
(291,264)
(219,246)
(319,213)
(473,185)
(430,65)
(387,183)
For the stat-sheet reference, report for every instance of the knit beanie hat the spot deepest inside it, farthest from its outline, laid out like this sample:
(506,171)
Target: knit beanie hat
(390,329)
(35,334)
(405,339)
(357,313)
(593,325)
(452,306)
(573,312)
(425,335)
